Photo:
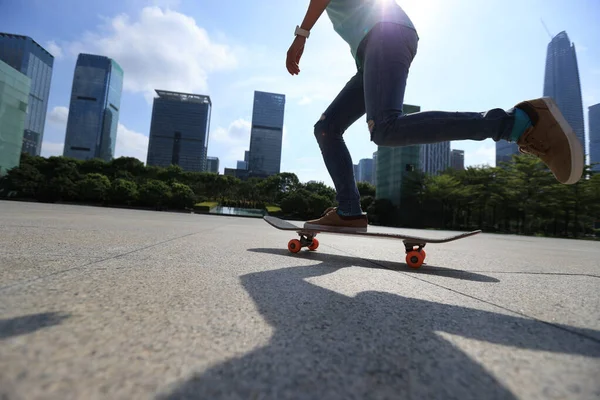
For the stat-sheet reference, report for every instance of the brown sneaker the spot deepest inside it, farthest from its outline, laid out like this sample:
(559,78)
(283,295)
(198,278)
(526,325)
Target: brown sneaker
(331,220)
(552,139)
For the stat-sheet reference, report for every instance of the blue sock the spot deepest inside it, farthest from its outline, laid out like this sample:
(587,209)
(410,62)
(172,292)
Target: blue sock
(522,122)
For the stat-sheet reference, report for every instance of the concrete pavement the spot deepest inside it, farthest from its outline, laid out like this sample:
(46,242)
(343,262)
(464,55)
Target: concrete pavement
(99,303)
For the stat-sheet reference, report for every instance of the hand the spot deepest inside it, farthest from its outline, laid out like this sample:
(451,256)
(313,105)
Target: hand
(293,55)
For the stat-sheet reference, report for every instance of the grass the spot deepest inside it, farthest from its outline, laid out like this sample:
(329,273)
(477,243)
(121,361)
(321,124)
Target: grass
(273,209)
(205,206)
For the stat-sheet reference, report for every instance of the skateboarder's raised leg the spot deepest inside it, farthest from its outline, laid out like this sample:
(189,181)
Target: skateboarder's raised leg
(537,126)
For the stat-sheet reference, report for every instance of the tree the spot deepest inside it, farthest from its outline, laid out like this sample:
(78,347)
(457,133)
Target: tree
(123,192)
(93,188)
(365,189)
(155,193)
(182,197)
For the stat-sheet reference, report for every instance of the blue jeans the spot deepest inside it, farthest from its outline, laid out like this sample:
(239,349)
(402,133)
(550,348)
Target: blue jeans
(377,89)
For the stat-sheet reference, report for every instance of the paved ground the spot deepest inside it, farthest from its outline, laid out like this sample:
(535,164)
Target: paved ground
(119,304)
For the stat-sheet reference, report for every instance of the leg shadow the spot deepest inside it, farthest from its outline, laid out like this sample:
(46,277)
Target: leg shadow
(426,269)
(327,345)
(29,323)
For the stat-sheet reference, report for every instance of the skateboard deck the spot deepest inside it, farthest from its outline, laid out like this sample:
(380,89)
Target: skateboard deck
(415,255)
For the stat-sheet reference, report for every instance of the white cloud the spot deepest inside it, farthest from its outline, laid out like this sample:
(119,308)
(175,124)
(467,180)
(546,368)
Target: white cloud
(159,50)
(485,154)
(131,144)
(50,149)
(231,142)
(58,116)
(54,49)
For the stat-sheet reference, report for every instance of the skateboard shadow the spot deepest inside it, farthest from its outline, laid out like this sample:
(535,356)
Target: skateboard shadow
(426,269)
(29,323)
(326,345)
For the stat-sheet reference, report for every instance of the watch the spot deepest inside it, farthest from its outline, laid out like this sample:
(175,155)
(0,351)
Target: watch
(302,32)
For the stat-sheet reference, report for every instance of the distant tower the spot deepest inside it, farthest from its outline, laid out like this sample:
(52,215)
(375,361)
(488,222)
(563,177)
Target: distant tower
(561,82)
(594,134)
(457,159)
(179,130)
(94,108)
(266,134)
(435,157)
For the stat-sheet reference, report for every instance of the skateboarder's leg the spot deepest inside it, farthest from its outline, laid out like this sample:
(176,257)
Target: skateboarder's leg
(388,54)
(537,126)
(345,109)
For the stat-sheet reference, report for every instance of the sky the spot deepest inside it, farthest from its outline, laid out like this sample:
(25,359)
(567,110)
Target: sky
(473,55)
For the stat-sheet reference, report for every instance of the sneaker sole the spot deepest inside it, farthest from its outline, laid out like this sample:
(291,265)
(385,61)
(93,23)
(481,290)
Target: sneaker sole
(329,228)
(575,146)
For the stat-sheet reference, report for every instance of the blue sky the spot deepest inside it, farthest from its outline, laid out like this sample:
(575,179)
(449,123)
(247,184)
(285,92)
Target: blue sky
(473,55)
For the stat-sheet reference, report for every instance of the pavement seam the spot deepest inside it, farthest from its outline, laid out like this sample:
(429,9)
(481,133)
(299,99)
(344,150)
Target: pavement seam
(593,339)
(29,281)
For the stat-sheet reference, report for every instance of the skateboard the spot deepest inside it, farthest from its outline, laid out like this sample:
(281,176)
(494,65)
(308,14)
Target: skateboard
(415,255)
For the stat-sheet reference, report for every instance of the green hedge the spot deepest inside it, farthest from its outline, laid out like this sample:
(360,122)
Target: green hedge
(205,206)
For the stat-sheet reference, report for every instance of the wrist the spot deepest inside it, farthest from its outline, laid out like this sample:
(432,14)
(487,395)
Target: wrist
(299,32)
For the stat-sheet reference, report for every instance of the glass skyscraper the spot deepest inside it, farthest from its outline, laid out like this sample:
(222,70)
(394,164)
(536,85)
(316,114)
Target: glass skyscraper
(14,95)
(561,82)
(94,108)
(179,130)
(457,159)
(26,56)
(212,164)
(504,151)
(435,157)
(266,134)
(594,134)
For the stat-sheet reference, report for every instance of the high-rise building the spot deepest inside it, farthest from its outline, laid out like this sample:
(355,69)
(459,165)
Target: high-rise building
(246,155)
(594,134)
(435,157)
(365,171)
(561,82)
(94,108)
(14,95)
(212,164)
(266,134)
(179,130)
(242,165)
(457,159)
(375,169)
(395,164)
(504,151)
(26,56)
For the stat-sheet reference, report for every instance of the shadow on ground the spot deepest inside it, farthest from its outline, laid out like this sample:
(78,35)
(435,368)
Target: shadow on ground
(29,323)
(426,269)
(375,345)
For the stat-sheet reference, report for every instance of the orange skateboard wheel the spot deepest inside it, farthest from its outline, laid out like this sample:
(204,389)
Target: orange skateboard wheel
(294,245)
(414,259)
(314,245)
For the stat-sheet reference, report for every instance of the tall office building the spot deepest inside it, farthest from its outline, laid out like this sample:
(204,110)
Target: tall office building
(594,134)
(504,151)
(394,165)
(561,82)
(435,157)
(212,164)
(179,130)
(94,108)
(457,159)
(26,56)
(266,134)
(366,171)
(14,95)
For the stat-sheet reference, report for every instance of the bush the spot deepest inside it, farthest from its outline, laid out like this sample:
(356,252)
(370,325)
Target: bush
(94,188)
(205,206)
(123,192)
(155,193)
(182,197)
